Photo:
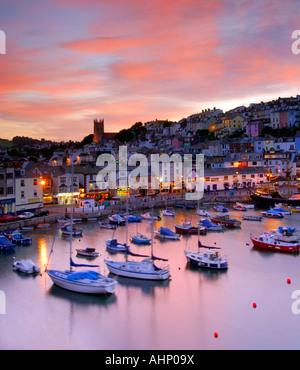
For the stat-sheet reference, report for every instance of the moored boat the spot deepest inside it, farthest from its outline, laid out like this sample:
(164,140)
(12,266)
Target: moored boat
(210,226)
(140,239)
(19,239)
(166,233)
(168,212)
(106,225)
(225,220)
(267,241)
(115,246)
(282,210)
(117,219)
(272,214)
(5,244)
(252,218)
(149,216)
(27,266)
(87,252)
(210,259)
(187,228)
(68,230)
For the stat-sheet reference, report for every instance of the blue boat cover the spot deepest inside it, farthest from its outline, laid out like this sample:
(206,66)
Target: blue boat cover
(166,231)
(207,223)
(92,275)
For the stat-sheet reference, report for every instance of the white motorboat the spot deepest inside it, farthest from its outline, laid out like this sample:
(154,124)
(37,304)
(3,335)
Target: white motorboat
(168,212)
(149,216)
(203,212)
(68,230)
(210,258)
(27,266)
(244,205)
(140,239)
(117,219)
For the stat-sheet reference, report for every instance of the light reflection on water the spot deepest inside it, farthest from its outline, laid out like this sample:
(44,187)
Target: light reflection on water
(182,313)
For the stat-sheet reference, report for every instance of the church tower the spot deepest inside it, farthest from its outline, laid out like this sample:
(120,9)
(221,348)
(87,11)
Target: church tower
(98,130)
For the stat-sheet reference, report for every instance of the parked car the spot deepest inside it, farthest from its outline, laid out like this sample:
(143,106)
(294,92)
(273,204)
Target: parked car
(41,212)
(26,215)
(8,218)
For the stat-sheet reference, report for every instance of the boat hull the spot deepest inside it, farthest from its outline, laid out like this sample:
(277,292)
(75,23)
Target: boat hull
(194,259)
(192,230)
(137,270)
(266,201)
(227,222)
(278,246)
(59,278)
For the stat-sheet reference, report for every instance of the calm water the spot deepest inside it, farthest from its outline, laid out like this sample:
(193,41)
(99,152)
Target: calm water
(181,314)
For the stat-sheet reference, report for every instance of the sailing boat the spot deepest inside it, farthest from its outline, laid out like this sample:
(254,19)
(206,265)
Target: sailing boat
(87,281)
(145,269)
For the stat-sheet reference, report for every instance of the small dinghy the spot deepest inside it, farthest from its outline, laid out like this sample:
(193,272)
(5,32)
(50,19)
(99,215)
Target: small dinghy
(5,244)
(19,239)
(117,219)
(26,266)
(148,216)
(87,252)
(106,225)
(140,239)
(67,230)
(168,212)
(115,246)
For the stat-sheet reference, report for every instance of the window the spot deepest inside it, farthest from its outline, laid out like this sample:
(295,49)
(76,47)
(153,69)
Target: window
(34,181)
(10,190)
(22,194)
(22,182)
(35,193)
(63,180)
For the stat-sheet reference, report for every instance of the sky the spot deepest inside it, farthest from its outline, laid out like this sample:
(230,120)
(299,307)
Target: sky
(69,62)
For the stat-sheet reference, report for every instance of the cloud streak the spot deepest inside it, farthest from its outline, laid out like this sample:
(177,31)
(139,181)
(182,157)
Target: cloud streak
(69,62)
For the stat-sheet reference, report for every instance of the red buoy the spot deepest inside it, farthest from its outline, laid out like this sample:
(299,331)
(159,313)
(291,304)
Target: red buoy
(254,305)
(288,281)
(216,334)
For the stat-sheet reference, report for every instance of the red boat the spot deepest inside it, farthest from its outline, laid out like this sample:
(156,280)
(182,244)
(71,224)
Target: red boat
(225,220)
(187,228)
(268,241)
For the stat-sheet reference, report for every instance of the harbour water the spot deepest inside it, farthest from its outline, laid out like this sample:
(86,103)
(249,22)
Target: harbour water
(183,313)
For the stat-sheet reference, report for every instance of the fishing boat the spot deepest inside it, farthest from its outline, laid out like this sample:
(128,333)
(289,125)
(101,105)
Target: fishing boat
(226,221)
(115,246)
(210,226)
(87,252)
(282,210)
(106,225)
(272,214)
(210,258)
(149,216)
(140,239)
(19,239)
(268,241)
(87,281)
(220,208)
(268,198)
(252,218)
(168,212)
(69,230)
(27,266)
(117,219)
(187,228)
(5,244)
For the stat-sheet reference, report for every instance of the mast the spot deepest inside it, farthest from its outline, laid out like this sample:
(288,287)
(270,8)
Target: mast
(71,235)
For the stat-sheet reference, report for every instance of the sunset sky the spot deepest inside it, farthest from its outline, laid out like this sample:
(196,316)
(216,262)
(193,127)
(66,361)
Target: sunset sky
(70,61)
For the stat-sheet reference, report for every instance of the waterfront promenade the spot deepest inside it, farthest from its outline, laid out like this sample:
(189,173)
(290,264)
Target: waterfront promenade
(57,211)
